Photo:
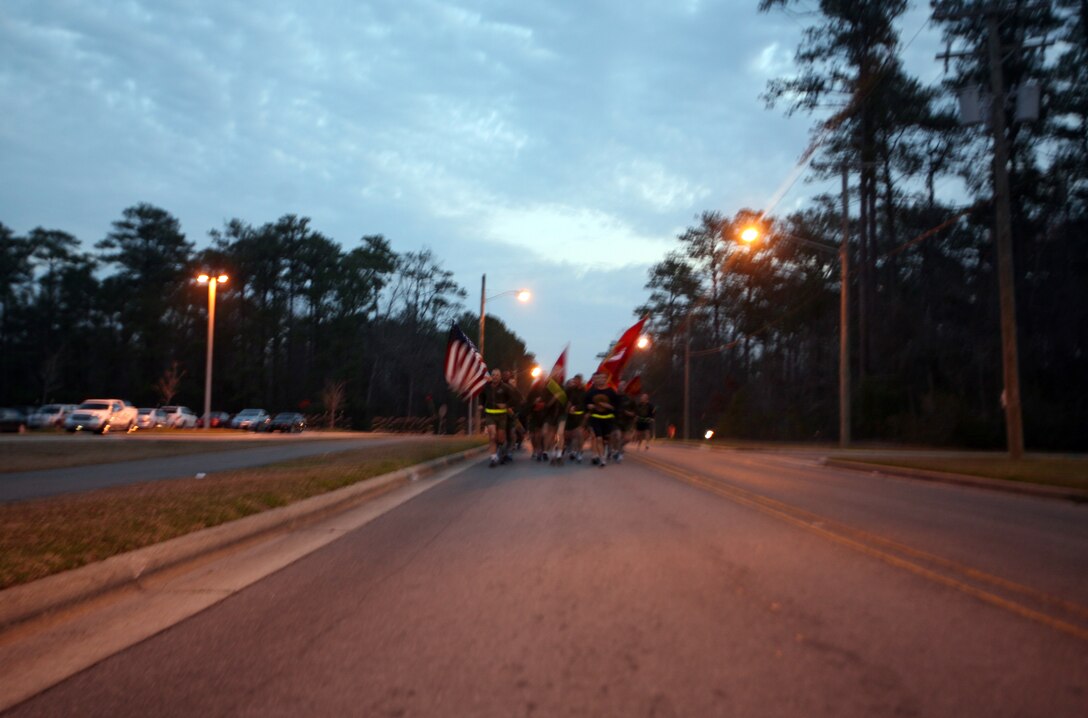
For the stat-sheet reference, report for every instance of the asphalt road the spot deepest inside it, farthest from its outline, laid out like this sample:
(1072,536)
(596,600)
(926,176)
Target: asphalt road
(16,486)
(703,583)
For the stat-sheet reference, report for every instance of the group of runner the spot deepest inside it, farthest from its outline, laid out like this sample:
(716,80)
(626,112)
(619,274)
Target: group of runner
(557,421)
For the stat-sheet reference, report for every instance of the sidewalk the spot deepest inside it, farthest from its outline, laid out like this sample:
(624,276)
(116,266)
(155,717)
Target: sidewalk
(979,482)
(856,461)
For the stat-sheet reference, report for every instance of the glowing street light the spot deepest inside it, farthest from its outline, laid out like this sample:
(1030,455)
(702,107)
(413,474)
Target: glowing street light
(536,371)
(523,295)
(643,341)
(751,234)
(212,282)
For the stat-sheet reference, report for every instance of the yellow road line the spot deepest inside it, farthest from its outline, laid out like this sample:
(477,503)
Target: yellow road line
(805,519)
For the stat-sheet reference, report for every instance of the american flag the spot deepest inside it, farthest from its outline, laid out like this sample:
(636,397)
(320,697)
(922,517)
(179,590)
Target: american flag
(466,372)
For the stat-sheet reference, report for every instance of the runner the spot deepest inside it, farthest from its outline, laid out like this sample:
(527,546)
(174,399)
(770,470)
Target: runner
(496,399)
(536,410)
(601,404)
(516,418)
(625,422)
(555,416)
(575,437)
(644,421)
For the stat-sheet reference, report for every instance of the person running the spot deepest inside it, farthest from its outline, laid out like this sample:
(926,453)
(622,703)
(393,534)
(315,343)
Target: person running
(516,419)
(575,437)
(625,422)
(496,399)
(536,411)
(555,416)
(601,402)
(644,421)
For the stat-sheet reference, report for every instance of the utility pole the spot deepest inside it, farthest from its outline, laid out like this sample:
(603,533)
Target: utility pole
(1006,276)
(844,316)
(1014,428)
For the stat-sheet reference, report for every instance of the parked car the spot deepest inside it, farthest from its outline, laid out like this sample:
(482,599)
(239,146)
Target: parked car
(251,419)
(147,418)
(178,417)
(217,419)
(287,421)
(102,416)
(12,420)
(49,415)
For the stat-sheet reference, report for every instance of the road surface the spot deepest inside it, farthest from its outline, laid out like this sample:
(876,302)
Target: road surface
(686,583)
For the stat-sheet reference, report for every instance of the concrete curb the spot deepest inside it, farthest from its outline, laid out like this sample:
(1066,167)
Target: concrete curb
(64,590)
(979,482)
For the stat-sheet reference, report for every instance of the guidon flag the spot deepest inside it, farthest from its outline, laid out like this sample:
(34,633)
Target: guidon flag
(620,353)
(558,376)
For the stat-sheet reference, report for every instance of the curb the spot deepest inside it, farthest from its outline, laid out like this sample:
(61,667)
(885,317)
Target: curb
(19,604)
(978,482)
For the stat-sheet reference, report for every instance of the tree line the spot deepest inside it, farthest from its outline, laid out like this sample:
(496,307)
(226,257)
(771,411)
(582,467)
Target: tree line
(926,344)
(301,322)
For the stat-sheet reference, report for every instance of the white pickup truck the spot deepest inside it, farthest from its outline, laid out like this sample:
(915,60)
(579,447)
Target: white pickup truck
(102,416)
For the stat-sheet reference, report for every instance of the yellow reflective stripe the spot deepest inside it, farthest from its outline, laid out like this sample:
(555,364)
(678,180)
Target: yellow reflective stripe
(579,413)
(603,416)
(495,411)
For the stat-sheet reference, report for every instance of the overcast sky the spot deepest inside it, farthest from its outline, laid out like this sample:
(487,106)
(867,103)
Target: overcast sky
(559,146)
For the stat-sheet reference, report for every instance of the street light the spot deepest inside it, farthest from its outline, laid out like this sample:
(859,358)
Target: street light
(643,341)
(750,235)
(523,295)
(212,282)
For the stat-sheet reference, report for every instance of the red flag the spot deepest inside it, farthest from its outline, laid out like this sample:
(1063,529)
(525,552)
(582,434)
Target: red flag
(621,353)
(634,387)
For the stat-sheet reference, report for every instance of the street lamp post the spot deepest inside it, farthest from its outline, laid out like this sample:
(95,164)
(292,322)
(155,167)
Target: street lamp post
(688,354)
(523,296)
(751,234)
(212,282)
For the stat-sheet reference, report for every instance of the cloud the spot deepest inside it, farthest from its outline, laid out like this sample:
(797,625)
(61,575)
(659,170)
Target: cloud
(654,186)
(582,236)
(576,138)
(772,61)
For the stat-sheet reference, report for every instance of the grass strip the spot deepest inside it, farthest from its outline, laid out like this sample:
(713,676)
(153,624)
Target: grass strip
(1066,472)
(65,452)
(42,537)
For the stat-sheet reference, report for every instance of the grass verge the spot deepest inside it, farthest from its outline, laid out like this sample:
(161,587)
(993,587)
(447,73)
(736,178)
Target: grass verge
(46,536)
(1066,472)
(65,452)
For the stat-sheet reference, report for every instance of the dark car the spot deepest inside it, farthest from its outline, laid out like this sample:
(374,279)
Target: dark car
(216,418)
(287,421)
(12,420)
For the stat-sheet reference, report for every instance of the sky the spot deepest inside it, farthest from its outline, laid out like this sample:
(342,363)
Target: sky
(557,146)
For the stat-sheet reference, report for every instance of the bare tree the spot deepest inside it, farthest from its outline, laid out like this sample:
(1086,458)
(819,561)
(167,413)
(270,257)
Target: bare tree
(333,397)
(167,385)
(50,375)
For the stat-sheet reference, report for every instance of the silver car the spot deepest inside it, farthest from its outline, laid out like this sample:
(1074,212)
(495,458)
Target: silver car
(49,415)
(148,418)
(251,419)
(178,417)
